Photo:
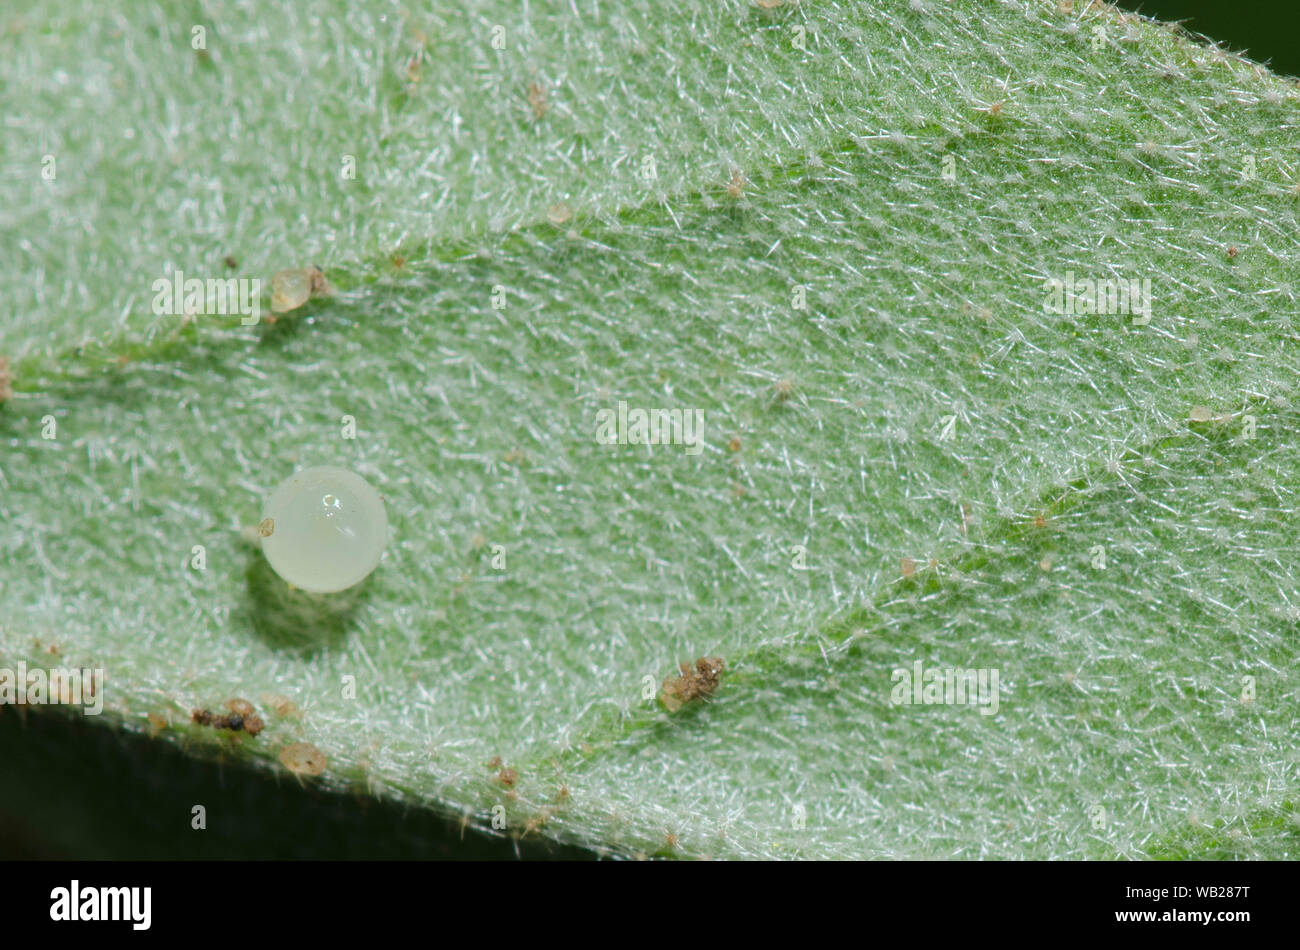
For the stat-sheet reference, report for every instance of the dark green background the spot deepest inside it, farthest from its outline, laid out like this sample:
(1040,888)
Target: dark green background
(1265,30)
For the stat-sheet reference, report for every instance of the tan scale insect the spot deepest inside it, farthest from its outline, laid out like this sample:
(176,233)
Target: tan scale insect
(282,705)
(694,682)
(303,758)
(292,288)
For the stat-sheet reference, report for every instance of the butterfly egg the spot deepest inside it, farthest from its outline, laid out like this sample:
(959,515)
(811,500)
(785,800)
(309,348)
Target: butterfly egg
(324,529)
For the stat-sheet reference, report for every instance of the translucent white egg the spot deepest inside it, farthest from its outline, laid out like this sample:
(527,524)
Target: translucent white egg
(324,529)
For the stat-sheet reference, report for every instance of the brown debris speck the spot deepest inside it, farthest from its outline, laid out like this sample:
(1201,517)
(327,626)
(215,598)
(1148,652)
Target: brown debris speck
(266,528)
(242,718)
(6,380)
(317,282)
(908,567)
(736,187)
(537,99)
(508,777)
(693,683)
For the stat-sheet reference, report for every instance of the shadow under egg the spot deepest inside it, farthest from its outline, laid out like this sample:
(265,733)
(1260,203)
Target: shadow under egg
(294,620)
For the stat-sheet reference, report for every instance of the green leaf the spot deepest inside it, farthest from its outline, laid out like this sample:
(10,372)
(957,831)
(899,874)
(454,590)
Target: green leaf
(827,227)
